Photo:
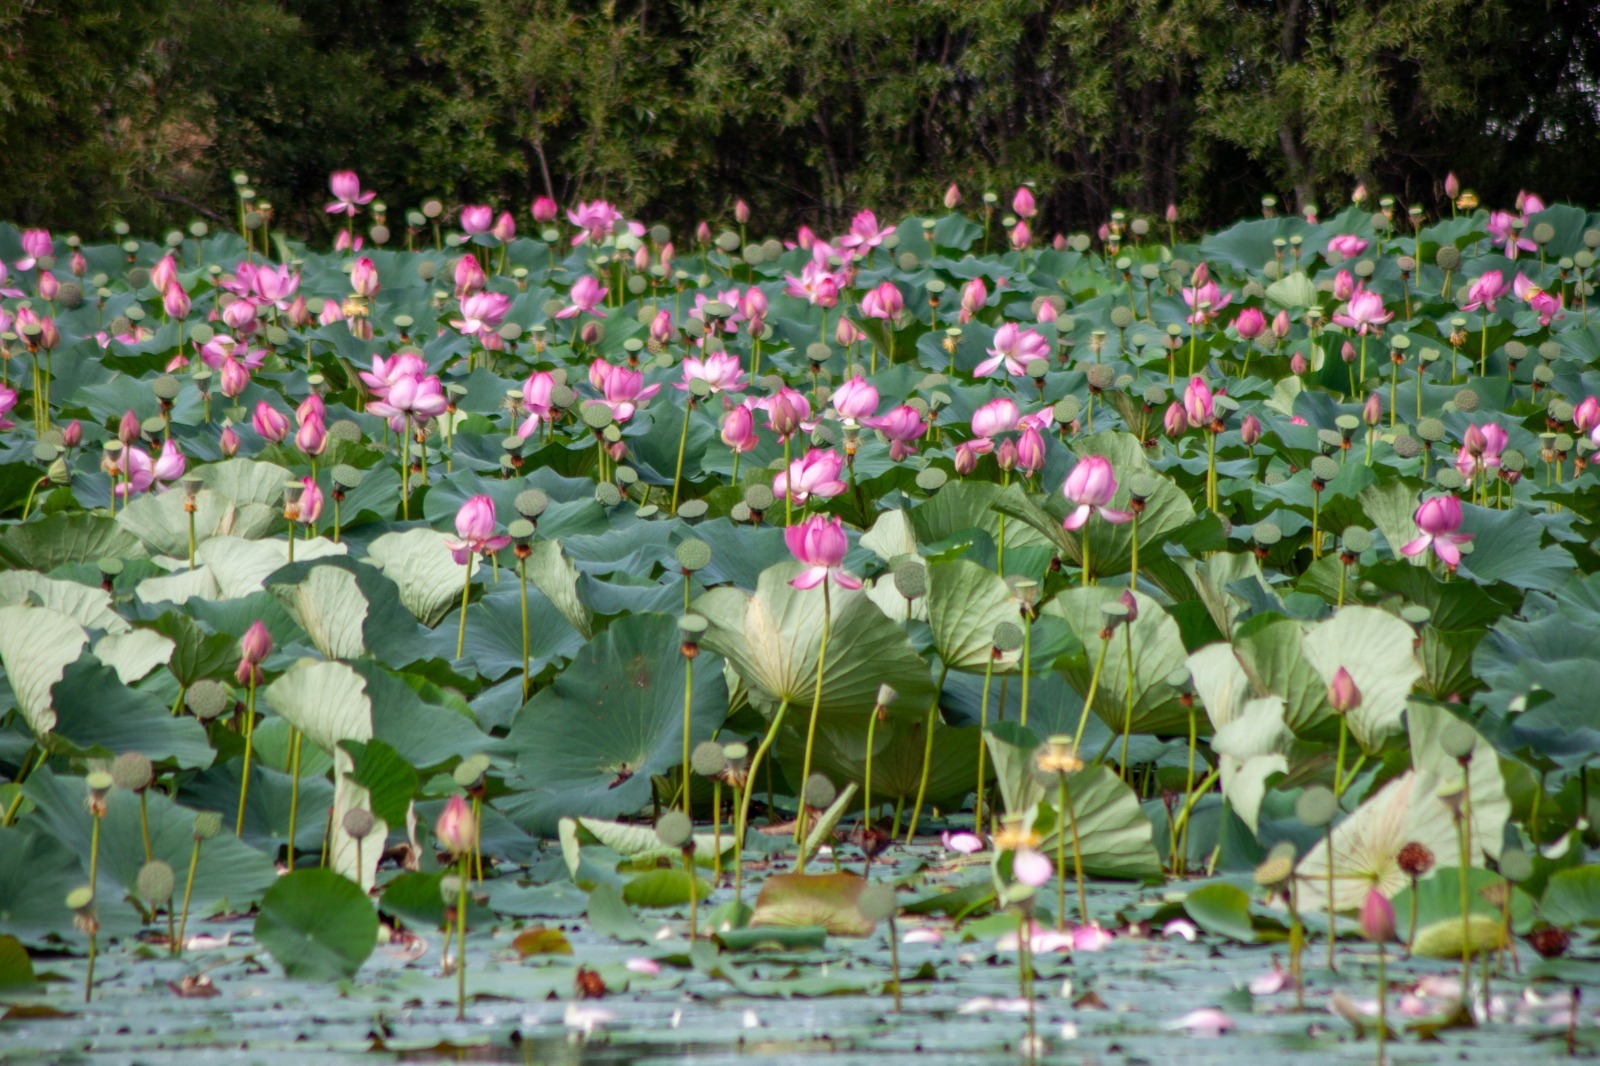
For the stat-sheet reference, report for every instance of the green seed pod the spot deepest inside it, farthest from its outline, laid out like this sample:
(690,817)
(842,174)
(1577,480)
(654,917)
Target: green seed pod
(1356,540)
(759,498)
(911,579)
(931,479)
(1431,430)
(1515,865)
(707,759)
(1448,257)
(132,771)
(1277,867)
(693,555)
(207,824)
(1466,400)
(607,495)
(1267,534)
(674,829)
(1316,807)
(1008,637)
(690,510)
(156,882)
(81,899)
(1406,446)
(469,771)
(877,903)
(358,823)
(1458,739)
(1324,469)
(531,503)
(819,791)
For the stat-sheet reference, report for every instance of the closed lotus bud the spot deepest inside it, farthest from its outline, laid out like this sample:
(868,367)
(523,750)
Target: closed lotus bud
(1172,213)
(49,287)
(1347,352)
(966,460)
(175,301)
(952,196)
(128,428)
(544,210)
(364,277)
(702,232)
(230,442)
(79,265)
(1022,203)
(1280,325)
(456,827)
(1452,185)
(641,258)
(256,644)
(1298,364)
(505,227)
(72,434)
(1343,696)
(1377,917)
(1250,430)
(1372,410)
(741,212)
(1359,196)
(1006,455)
(1176,420)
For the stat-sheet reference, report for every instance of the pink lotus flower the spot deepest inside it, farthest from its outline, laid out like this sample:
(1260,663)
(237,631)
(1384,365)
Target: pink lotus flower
(536,402)
(310,502)
(416,397)
(8,402)
(1586,416)
(476,218)
(1250,430)
(1544,304)
(469,276)
(961,842)
(1347,245)
(1016,348)
(1377,917)
(385,372)
(974,294)
(1030,451)
(754,304)
(269,423)
(1091,938)
(727,323)
(8,290)
(1250,324)
(1438,521)
(256,644)
(482,313)
(275,285)
(1022,204)
(816,284)
(1205,300)
(228,442)
(49,287)
(312,436)
(952,196)
(719,370)
(787,411)
(967,453)
(233,377)
(142,472)
(364,277)
(586,296)
(1343,695)
(622,389)
(347,194)
(457,828)
(854,401)
(596,220)
(820,544)
(1198,403)
(1486,290)
(36,245)
(865,232)
(1363,312)
(1481,447)
(661,327)
(846,333)
(475,523)
(240,316)
(1503,230)
(504,229)
(883,302)
(175,302)
(1091,486)
(544,210)
(995,417)
(1031,868)
(814,474)
(739,429)
(1205,1022)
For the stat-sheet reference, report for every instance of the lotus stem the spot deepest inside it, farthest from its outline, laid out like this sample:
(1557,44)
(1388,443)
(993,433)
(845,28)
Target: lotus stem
(249,745)
(1339,781)
(811,727)
(1127,713)
(144,825)
(1383,995)
(461,939)
(1464,829)
(522,579)
(694,890)
(294,790)
(866,784)
(1094,684)
(683,439)
(983,746)
(894,960)
(927,753)
(688,704)
(466,592)
(1027,650)
(716,828)
(1297,943)
(188,890)
(744,801)
(1133,566)
(1077,853)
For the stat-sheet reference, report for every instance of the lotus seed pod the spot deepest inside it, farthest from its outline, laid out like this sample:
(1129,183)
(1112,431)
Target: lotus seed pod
(1267,534)
(469,771)
(1277,867)
(1406,446)
(1415,860)
(1457,739)
(1466,400)
(1324,469)
(1121,317)
(1448,257)
(138,278)
(759,498)
(1515,865)
(358,823)
(819,791)
(597,415)
(877,903)
(674,829)
(1143,485)
(450,889)
(707,759)
(693,555)
(1007,637)
(1543,233)
(132,771)
(739,512)
(156,882)
(80,899)
(911,579)
(531,503)
(207,824)
(735,753)
(1316,807)
(99,783)
(1356,540)
(1450,479)
(691,510)
(931,479)
(1431,430)
(1067,409)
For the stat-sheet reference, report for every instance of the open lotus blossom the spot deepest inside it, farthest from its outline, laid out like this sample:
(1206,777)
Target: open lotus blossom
(1016,348)
(586,296)
(865,232)
(1363,312)
(719,370)
(995,417)
(1091,487)
(1206,1022)
(854,401)
(1485,291)
(903,426)
(1438,522)
(1544,304)
(884,301)
(1506,230)
(475,524)
(1206,300)
(536,402)
(8,401)
(137,471)
(814,474)
(962,842)
(416,397)
(820,544)
(1347,245)
(482,313)
(7,290)
(1481,448)
(385,372)
(476,218)
(622,389)
(274,286)
(347,193)
(816,284)
(596,220)
(36,245)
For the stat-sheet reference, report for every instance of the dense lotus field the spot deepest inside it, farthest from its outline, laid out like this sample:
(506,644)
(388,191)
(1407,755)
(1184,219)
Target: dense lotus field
(549,638)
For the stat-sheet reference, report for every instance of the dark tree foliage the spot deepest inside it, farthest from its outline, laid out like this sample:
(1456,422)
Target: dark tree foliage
(808,109)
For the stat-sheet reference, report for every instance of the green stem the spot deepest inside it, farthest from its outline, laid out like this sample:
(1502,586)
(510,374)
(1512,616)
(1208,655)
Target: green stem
(1127,713)
(249,745)
(144,824)
(688,705)
(1383,995)
(1338,763)
(466,592)
(983,745)
(927,753)
(811,727)
(1027,651)
(1061,853)
(683,439)
(294,791)
(188,890)
(744,801)
(1077,855)
(461,939)
(1088,700)
(522,577)
(866,784)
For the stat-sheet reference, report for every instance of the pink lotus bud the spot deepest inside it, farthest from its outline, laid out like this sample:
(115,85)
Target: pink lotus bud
(310,501)
(1022,203)
(1006,454)
(952,196)
(1030,451)
(229,443)
(741,212)
(1250,324)
(1048,312)
(1377,917)
(1452,185)
(1280,325)
(49,287)
(1343,696)
(256,644)
(364,277)
(1021,236)
(72,434)
(164,273)
(1347,352)
(476,219)
(1250,430)
(702,232)
(966,458)
(78,264)
(240,316)
(1202,275)
(666,255)
(845,333)
(1473,441)
(456,828)
(505,228)
(1172,213)
(739,429)
(1059,242)
(299,314)
(544,210)
(641,259)
(175,301)
(1131,604)
(234,377)
(1176,420)
(1359,196)
(312,437)
(782,414)
(128,429)
(1344,286)
(470,277)
(1587,415)
(1372,410)
(661,327)
(269,423)
(1298,364)
(590,333)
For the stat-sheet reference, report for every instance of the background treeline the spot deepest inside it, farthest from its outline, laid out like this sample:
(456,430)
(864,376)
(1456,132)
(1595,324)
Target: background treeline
(141,109)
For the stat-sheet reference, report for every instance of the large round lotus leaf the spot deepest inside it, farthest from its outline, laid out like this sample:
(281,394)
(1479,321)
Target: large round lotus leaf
(317,925)
(1156,646)
(1375,648)
(590,742)
(965,603)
